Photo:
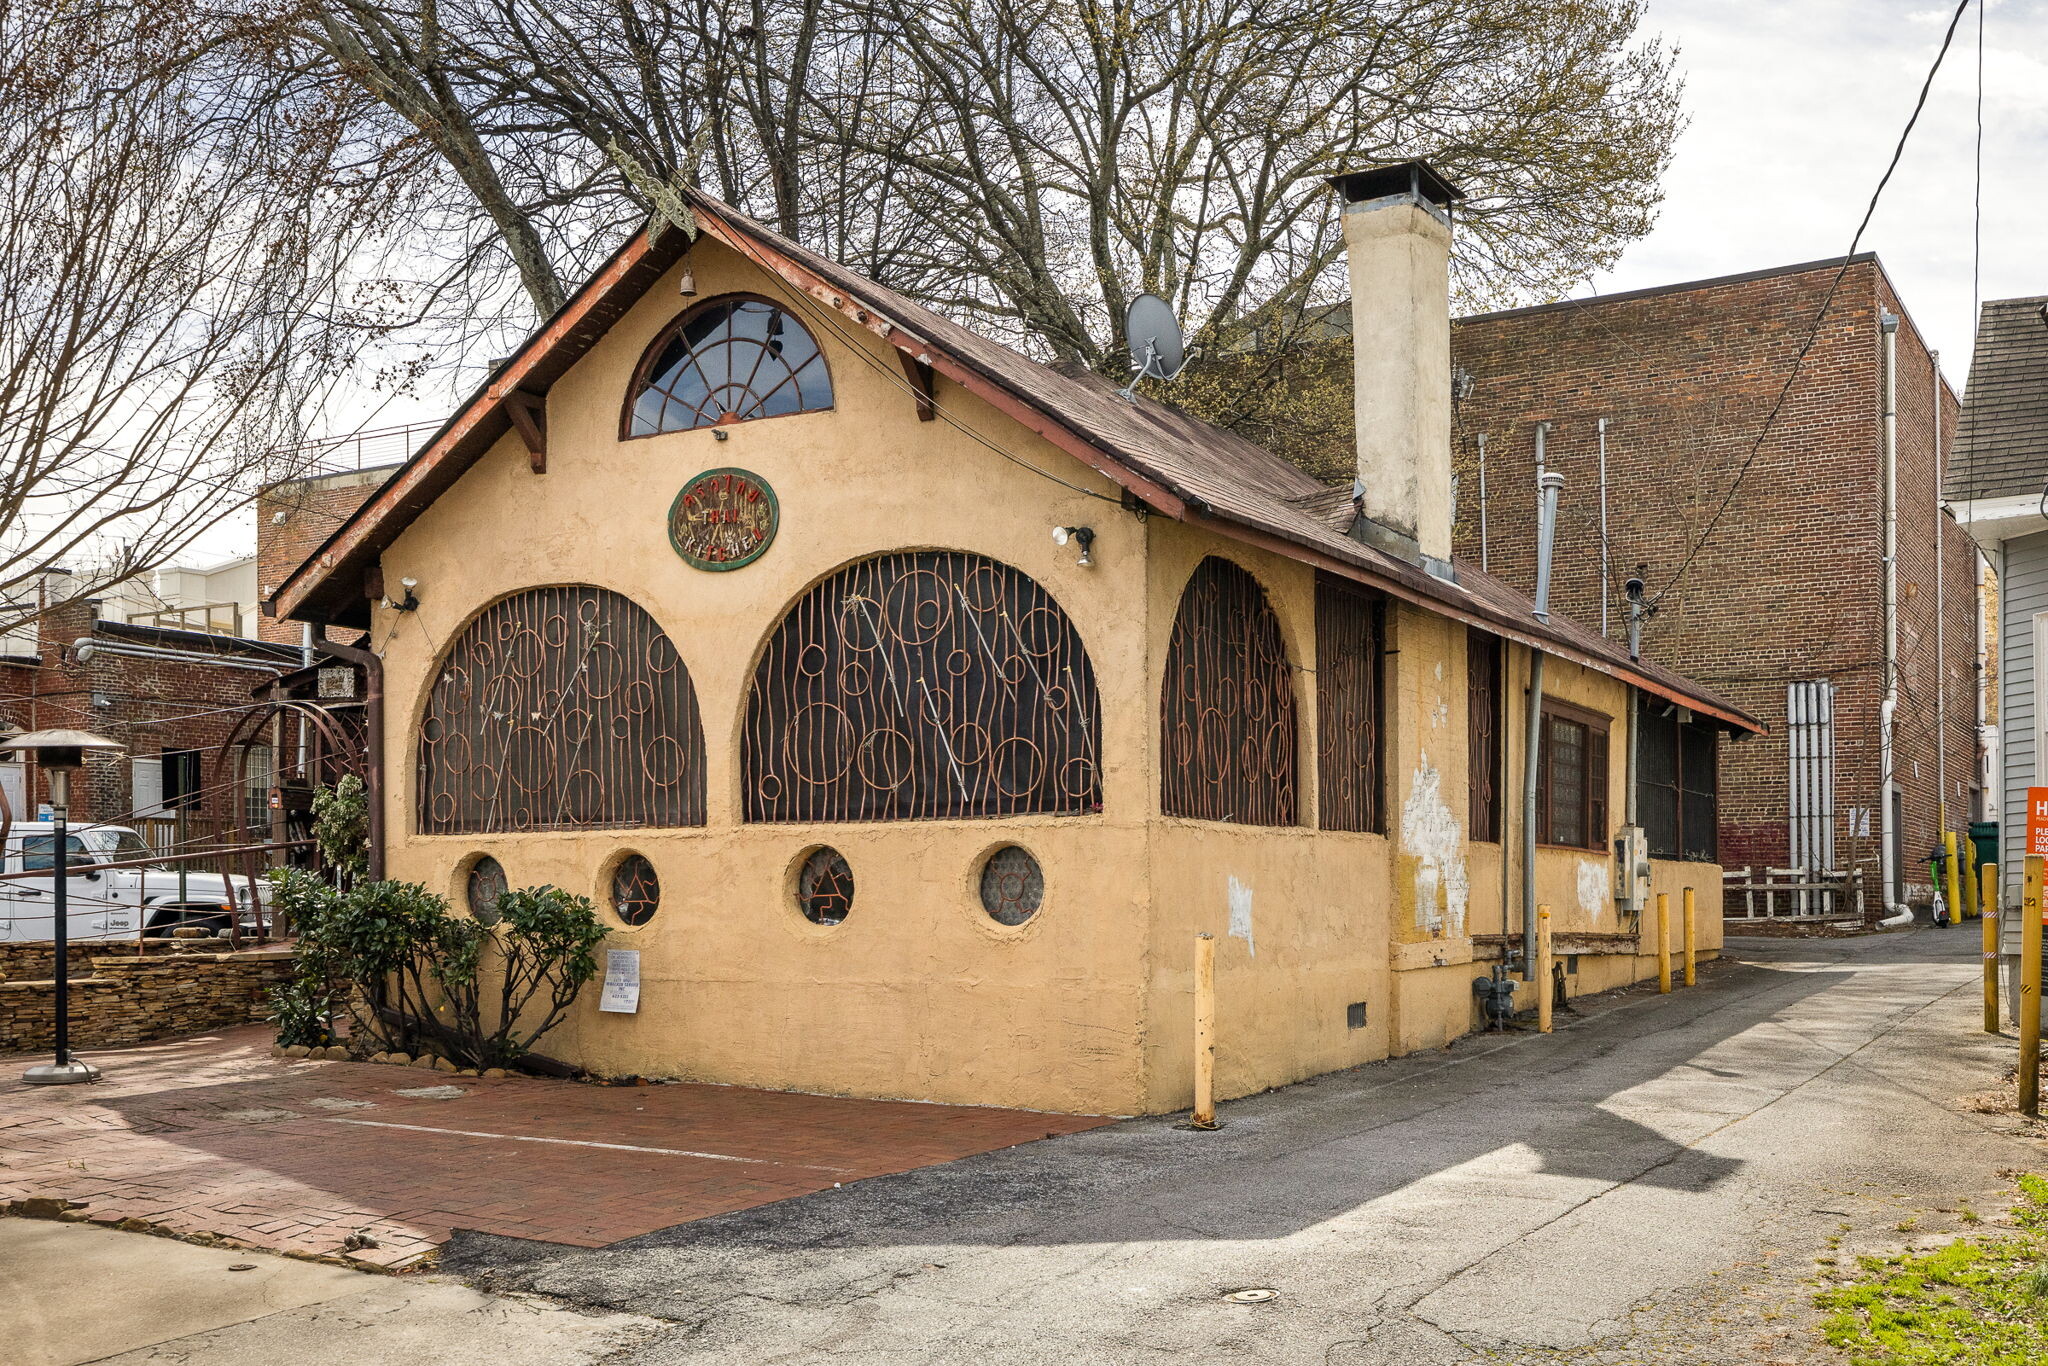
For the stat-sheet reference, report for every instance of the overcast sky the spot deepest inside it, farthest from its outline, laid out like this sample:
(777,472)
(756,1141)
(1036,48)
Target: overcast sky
(1795,108)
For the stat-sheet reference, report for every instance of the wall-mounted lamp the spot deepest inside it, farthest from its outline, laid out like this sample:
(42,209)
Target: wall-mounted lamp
(411,601)
(1083,536)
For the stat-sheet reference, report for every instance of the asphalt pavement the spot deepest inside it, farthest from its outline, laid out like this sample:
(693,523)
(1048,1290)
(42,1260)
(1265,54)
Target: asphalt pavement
(1655,1182)
(1663,1180)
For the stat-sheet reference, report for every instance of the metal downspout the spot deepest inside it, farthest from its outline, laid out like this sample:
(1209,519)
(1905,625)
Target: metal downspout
(1940,623)
(373,725)
(1548,486)
(1887,716)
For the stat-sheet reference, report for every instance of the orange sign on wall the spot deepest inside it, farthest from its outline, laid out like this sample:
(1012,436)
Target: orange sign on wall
(2037,821)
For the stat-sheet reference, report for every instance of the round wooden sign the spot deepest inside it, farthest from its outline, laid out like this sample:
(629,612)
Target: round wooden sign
(723,519)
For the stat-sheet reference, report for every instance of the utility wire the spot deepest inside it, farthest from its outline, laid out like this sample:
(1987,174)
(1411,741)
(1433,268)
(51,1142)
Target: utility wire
(1820,315)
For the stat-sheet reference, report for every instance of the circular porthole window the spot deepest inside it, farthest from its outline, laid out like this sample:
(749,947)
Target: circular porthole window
(483,887)
(824,887)
(636,891)
(1011,886)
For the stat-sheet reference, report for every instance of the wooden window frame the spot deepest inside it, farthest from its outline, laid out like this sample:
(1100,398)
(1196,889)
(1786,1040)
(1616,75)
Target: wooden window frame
(1595,778)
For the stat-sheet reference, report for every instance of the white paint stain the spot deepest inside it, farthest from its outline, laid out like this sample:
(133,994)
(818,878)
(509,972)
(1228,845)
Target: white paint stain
(1241,915)
(1592,887)
(1431,833)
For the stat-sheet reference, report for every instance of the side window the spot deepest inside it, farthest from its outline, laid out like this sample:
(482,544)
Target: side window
(1571,778)
(1227,707)
(1678,784)
(39,852)
(1350,655)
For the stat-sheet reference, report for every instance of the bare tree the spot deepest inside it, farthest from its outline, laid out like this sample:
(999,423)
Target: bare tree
(1028,165)
(171,291)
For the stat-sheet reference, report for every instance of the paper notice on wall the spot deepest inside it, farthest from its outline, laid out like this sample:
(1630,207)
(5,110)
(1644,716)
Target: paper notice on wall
(621,993)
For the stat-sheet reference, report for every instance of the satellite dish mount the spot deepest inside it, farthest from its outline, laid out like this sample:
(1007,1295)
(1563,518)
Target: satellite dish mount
(1158,350)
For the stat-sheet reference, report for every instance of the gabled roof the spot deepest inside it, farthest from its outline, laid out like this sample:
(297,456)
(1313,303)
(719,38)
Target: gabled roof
(1171,462)
(2002,441)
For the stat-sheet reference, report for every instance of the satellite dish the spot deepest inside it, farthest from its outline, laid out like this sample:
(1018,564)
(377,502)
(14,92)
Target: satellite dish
(1158,350)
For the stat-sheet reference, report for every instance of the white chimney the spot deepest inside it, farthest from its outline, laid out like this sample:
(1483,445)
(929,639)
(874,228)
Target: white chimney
(1397,236)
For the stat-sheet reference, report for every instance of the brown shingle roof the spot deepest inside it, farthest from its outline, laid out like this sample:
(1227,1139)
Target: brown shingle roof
(2002,441)
(1172,461)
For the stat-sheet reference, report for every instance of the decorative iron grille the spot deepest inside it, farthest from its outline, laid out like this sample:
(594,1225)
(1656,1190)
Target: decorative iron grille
(1350,649)
(1012,885)
(824,887)
(482,888)
(729,360)
(636,891)
(1483,658)
(919,686)
(1227,714)
(560,708)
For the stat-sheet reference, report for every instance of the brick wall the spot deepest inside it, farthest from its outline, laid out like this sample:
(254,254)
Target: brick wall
(145,704)
(129,1000)
(293,519)
(1788,586)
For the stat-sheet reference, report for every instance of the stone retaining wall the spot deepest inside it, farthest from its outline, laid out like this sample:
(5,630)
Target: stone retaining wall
(123,999)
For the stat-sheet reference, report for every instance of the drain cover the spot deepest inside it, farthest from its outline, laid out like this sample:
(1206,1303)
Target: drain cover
(1258,1296)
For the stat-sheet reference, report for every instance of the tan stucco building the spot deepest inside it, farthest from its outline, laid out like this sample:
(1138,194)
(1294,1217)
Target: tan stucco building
(734,601)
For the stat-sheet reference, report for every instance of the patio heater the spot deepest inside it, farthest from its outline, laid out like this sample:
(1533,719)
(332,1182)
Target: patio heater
(60,753)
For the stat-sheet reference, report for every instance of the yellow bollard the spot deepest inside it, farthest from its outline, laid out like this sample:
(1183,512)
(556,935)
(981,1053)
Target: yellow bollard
(1972,904)
(1987,902)
(1955,901)
(1692,972)
(1664,942)
(1543,993)
(2030,991)
(1205,1032)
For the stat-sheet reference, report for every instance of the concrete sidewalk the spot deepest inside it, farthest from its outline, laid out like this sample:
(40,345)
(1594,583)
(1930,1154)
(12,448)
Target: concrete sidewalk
(73,1293)
(1652,1184)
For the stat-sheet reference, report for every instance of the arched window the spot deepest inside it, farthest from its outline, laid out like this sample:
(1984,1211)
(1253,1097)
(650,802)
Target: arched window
(729,360)
(920,686)
(1227,708)
(560,709)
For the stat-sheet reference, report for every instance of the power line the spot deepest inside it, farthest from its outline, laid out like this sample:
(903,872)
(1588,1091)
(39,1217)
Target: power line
(1820,315)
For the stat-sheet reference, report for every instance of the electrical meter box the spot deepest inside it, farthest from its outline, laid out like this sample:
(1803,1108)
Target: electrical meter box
(1631,870)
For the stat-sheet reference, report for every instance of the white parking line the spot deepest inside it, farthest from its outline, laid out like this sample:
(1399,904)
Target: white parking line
(590,1143)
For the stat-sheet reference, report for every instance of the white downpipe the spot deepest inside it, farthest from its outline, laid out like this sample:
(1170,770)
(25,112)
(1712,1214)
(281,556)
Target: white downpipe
(1889,836)
(1548,487)
(85,647)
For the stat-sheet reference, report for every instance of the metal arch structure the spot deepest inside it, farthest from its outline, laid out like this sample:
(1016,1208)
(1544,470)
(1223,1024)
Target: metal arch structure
(311,744)
(560,708)
(1227,708)
(922,685)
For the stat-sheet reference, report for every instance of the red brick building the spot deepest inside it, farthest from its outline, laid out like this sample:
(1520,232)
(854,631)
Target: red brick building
(170,697)
(1766,563)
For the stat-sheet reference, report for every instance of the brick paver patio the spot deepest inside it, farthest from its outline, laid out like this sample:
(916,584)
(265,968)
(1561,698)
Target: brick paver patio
(213,1135)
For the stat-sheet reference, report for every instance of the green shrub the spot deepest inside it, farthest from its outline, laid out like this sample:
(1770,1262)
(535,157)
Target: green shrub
(418,979)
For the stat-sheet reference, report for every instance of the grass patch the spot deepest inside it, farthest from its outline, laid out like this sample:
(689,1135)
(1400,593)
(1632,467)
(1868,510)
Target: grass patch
(1982,1300)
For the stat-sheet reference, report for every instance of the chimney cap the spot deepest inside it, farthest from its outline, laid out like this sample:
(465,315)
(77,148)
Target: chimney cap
(1418,178)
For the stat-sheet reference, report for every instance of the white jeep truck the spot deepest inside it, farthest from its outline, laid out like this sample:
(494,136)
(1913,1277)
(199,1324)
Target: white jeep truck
(111,903)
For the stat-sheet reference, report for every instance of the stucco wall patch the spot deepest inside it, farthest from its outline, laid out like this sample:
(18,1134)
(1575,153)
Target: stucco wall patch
(1241,915)
(1431,834)
(1592,888)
